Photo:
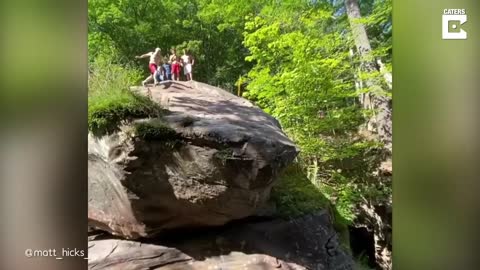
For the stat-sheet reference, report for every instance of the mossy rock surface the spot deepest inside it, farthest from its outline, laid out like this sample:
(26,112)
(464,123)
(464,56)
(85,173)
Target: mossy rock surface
(294,196)
(106,111)
(155,129)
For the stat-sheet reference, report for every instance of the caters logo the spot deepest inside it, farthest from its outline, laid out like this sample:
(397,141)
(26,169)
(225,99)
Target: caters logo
(452,21)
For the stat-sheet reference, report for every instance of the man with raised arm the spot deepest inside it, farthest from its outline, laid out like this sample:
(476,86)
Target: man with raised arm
(155,60)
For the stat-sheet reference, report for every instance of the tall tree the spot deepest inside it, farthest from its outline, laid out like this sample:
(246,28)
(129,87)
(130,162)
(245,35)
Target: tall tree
(375,98)
(378,100)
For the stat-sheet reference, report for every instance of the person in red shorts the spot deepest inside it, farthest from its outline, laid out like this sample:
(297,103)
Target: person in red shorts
(175,65)
(176,69)
(155,59)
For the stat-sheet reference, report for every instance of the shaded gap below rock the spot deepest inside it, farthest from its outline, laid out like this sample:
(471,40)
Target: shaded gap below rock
(170,236)
(362,244)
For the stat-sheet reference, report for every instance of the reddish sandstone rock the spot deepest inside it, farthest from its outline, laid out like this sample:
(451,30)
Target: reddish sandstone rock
(217,164)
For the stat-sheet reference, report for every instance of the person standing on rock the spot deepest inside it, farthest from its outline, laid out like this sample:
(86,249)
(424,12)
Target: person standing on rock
(175,65)
(187,65)
(174,56)
(155,59)
(176,69)
(168,69)
(160,75)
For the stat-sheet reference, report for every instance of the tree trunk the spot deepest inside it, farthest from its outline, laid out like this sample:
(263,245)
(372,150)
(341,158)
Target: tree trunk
(381,124)
(375,99)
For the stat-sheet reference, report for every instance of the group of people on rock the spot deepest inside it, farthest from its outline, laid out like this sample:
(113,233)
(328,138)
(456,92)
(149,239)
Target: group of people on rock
(168,67)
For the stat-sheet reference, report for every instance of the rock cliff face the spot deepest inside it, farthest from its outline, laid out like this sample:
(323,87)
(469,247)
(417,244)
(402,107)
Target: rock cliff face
(211,159)
(304,243)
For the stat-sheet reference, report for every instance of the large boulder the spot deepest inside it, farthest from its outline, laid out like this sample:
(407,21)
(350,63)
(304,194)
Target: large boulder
(214,160)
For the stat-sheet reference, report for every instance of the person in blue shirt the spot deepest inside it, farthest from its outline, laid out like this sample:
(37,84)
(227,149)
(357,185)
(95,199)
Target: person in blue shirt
(167,69)
(160,74)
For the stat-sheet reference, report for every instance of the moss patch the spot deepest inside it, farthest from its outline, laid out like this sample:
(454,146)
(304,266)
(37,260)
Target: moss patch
(224,154)
(155,129)
(107,110)
(187,121)
(294,195)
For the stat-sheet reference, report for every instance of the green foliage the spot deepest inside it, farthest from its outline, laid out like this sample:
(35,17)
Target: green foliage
(304,75)
(378,21)
(349,178)
(133,27)
(105,76)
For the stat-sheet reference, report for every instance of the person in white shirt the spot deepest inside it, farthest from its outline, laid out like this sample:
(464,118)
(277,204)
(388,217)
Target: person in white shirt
(188,62)
(155,60)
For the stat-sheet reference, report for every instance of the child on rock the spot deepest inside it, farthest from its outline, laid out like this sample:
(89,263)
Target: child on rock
(167,69)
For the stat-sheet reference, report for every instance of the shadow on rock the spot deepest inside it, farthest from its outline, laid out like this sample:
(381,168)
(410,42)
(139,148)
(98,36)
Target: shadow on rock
(307,242)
